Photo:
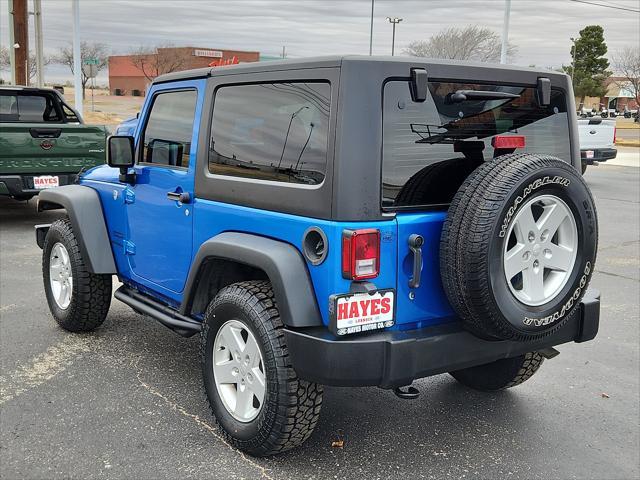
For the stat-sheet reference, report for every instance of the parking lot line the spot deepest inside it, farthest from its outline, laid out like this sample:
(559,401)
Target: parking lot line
(44,367)
(180,409)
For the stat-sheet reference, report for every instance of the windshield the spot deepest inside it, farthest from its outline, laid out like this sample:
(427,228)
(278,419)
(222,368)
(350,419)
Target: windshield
(417,136)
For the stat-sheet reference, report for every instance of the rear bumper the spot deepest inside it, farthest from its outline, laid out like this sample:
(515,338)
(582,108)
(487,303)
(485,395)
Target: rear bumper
(396,358)
(599,155)
(22,185)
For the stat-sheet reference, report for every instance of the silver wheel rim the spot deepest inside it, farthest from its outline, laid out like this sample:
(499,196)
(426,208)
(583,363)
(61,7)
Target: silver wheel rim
(60,276)
(540,251)
(238,371)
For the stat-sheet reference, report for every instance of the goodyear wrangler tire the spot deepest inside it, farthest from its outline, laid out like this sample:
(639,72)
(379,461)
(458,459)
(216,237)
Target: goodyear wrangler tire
(518,246)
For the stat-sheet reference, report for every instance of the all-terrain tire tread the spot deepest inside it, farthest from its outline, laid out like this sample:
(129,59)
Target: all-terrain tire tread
(501,374)
(299,402)
(530,365)
(91,295)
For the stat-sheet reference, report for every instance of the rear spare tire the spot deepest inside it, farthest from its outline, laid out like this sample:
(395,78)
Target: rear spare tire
(518,246)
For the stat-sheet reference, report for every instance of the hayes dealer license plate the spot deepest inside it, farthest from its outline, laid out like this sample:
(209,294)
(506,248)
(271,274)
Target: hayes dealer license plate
(361,312)
(45,181)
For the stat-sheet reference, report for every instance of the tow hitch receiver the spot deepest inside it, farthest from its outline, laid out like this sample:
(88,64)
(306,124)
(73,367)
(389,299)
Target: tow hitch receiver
(407,393)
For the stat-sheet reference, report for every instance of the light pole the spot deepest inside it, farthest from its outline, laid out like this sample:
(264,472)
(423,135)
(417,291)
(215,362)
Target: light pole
(371,31)
(37,17)
(77,62)
(394,21)
(505,32)
(573,62)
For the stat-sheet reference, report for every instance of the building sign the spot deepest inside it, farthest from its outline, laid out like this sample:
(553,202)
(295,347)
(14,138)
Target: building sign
(208,53)
(221,63)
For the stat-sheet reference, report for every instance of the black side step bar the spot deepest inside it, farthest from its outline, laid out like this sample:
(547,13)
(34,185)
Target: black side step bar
(180,324)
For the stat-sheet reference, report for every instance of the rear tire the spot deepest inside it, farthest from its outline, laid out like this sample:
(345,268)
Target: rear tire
(501,374)
(282,414)
(78,299)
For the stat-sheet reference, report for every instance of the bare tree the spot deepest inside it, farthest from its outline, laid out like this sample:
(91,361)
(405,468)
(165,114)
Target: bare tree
(468,43)
(88,50)
(627,63)
(155,61)
(5,62)
(4,57)
(33,64)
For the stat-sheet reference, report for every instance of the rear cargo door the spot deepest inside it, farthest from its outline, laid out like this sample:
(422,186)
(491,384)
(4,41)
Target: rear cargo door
(429,148)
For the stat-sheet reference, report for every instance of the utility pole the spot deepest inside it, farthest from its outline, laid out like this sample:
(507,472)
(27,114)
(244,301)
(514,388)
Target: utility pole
(371,30)
(37,17)
(505,31)
(77,61)
(284,52)
(12,42)
(394,21)
(20,45)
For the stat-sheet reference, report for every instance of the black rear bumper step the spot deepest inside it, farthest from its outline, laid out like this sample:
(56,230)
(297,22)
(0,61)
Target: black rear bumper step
(180,324)
(394,358)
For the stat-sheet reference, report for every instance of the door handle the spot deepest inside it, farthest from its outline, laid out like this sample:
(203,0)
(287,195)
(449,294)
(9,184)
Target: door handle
(182,197)
(415,245)
(45,132)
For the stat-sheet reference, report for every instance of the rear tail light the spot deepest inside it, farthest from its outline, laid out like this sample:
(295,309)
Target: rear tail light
(615,133)
(360,254)
(508,141)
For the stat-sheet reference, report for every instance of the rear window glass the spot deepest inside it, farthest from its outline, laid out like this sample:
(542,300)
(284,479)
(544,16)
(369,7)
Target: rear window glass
(429,148)
(28,109)
(272,131)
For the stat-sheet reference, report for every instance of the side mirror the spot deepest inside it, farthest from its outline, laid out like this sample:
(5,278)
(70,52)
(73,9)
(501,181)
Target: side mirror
(120,154)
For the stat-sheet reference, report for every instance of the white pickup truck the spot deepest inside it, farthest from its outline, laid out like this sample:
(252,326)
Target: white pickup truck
(597,141)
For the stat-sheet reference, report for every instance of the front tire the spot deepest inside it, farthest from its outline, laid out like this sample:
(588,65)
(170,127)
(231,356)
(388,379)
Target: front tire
(78,299)
(501,374)
(258,401)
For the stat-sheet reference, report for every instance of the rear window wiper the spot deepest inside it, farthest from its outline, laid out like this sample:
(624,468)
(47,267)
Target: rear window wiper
(460,96)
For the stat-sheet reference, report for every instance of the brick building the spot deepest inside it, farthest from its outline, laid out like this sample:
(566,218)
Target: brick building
(619,94)
(131,74)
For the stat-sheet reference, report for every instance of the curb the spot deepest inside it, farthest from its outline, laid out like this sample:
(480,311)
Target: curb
(628,143)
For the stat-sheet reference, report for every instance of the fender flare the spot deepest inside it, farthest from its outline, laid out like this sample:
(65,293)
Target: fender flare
(87,220)
(283,264)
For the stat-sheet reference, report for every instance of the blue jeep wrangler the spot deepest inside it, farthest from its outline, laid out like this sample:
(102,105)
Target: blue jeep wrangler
(343,221)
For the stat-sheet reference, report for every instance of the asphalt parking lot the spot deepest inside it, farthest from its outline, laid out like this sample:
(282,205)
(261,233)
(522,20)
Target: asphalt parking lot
(127,401)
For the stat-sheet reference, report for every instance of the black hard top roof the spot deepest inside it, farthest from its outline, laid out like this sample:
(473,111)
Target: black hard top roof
(332,61)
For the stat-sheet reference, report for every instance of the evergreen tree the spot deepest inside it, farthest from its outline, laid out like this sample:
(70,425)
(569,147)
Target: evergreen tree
(589,63)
